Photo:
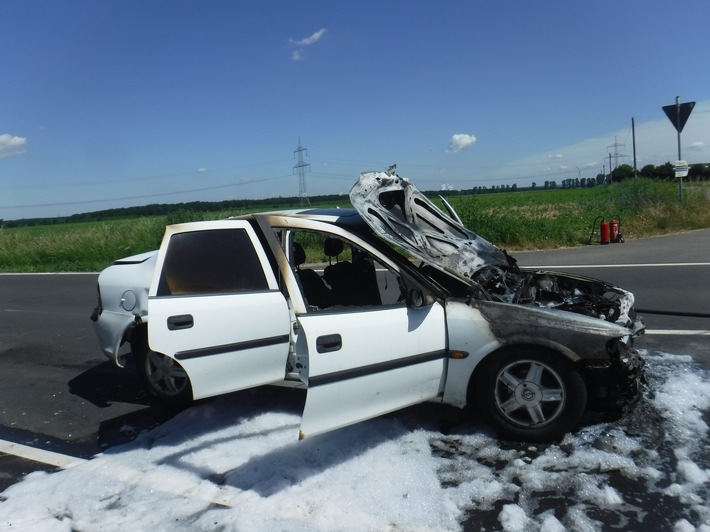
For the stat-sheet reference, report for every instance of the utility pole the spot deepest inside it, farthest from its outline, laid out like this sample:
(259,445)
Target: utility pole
(610,170)
(301,168)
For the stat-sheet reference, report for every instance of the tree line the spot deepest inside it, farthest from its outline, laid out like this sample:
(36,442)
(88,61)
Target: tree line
(696,172)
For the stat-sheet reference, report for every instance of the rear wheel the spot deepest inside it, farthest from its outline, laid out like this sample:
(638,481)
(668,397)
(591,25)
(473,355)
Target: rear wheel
(530,394)
(163,376)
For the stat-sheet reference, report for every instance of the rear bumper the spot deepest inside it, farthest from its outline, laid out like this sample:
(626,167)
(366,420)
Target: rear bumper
(110,328)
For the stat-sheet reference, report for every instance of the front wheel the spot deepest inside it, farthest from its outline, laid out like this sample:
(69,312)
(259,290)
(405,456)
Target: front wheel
(163,376)
(530,394)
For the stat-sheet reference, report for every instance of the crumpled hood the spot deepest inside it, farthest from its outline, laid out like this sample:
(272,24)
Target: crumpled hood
(403,216)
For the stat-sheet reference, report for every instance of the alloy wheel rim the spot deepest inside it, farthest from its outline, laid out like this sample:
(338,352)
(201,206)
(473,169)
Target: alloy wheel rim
(166,375)
(529,393)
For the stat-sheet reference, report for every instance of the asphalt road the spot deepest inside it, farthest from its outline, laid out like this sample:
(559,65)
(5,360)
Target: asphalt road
(59,392)
(669,276)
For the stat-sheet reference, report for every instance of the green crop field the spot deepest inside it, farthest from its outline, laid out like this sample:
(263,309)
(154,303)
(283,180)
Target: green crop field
(564,217)
(521,220)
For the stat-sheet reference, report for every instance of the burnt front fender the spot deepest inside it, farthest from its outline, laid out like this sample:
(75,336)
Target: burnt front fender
(577,336)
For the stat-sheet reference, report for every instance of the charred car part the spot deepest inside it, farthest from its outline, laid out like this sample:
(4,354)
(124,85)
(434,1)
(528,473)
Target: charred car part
(400,213)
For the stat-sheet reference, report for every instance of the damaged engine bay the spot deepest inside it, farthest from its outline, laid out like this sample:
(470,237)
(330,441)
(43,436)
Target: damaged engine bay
(544,289)
(401,214)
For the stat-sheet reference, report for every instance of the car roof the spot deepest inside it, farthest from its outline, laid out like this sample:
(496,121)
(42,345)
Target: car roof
(347,217)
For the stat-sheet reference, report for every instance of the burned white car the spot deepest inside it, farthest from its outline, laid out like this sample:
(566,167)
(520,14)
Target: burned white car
(410,306)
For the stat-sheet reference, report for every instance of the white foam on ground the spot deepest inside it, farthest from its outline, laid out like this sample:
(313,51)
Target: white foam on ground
(235,464)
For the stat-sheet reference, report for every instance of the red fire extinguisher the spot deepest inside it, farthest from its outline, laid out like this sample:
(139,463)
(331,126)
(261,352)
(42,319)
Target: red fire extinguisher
(614,228)
(604,232)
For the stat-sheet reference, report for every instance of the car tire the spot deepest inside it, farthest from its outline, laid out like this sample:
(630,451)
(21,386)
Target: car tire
(530,394)
(163,377)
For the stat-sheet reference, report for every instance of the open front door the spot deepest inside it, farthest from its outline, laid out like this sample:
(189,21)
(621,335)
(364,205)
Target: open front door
(215,308)
(367,361)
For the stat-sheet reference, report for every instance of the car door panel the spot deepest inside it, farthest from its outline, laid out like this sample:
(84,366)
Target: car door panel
(387,358)
(236,341)
(215,307)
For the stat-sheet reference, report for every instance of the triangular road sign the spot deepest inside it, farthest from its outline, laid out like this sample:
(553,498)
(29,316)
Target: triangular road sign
(679,117)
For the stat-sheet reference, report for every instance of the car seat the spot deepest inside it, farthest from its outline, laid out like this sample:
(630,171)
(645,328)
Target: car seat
(352,283)
(338,275)
(314,289)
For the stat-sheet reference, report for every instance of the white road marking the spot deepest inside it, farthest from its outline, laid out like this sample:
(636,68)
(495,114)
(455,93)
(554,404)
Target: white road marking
(678,332)
(201,488)
(48,273)
(39,455)
(656,265)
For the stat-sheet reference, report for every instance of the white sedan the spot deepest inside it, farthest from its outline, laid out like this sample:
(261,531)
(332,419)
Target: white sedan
(410,306)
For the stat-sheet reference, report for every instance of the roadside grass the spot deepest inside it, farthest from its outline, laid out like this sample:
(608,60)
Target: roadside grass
(523,220)
(557,218)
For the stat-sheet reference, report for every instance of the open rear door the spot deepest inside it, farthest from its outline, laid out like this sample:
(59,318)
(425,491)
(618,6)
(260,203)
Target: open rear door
(215,308)
(367,361)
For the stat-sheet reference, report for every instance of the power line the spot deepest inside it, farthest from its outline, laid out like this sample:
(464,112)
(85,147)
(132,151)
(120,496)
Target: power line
(143,196)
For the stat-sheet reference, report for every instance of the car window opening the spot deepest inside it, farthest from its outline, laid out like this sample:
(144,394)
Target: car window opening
(350,275)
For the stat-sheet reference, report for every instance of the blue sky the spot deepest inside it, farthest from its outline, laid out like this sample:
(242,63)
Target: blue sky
(117,103)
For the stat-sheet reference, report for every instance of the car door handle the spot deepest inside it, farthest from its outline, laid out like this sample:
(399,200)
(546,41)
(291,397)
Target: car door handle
(329,343)
(183,321)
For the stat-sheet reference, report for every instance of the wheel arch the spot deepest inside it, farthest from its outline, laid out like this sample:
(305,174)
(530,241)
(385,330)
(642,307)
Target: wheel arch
(136,335)
(514,344)
(140,347)
(572,395)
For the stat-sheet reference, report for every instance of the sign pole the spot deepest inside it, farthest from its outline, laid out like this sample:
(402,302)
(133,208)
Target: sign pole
(677,109)
(678,118)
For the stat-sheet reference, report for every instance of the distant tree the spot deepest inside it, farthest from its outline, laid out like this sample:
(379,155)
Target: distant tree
(665,171)
(699,172)
(622,172)
(534,185)
(648,171)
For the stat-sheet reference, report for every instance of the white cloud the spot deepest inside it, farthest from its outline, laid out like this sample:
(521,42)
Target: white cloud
(297,55)
(202,170)
(460,142)
(656,143)
(697,146)
(11,145)
(317,36)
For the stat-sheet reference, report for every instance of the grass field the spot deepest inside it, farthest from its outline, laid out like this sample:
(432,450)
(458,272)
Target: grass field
(564,217)
(513,220)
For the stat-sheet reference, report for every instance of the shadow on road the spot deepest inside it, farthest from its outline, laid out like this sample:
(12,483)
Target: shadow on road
(107,386)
